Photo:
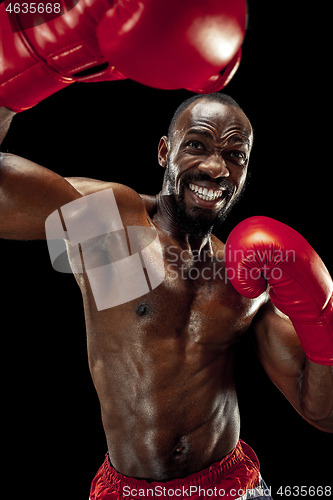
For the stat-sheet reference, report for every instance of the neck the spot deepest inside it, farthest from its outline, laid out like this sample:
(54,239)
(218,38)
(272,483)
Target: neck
(167,219)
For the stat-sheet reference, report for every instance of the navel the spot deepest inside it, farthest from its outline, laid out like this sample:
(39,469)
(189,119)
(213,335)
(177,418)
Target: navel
(180,449)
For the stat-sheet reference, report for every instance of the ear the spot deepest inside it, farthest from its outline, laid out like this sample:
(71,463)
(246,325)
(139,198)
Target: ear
(163,151)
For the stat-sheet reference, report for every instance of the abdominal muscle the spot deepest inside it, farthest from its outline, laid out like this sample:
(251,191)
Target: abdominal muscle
(173,417)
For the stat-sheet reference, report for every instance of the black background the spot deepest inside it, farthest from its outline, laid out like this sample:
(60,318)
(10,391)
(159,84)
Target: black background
(110,131)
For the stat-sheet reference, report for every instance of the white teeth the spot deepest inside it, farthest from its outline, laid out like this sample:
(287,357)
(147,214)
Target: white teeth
(204,194)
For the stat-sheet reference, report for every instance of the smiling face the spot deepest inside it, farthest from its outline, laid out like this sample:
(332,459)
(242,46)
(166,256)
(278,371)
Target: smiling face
(206,162)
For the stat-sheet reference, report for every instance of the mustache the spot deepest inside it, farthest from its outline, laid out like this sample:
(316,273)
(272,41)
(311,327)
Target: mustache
(221,182)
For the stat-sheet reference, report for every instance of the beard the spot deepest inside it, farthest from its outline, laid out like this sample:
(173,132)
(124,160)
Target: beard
(197,221)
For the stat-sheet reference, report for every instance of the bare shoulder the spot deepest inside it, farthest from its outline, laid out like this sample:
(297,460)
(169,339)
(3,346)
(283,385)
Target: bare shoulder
(86,186)
(130,204)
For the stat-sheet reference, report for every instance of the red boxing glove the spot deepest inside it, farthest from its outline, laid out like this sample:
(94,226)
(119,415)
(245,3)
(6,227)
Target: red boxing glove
(39,61)
(173,44)
(261,250)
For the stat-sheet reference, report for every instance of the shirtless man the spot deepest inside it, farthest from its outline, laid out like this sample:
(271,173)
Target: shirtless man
(162,364)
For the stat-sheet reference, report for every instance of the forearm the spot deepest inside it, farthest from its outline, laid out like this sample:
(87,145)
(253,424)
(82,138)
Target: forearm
(307,385)
(6,116)
(316,395)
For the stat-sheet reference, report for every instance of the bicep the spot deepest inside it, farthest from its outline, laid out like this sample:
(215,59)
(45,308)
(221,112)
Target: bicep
(279,351)
(29,193)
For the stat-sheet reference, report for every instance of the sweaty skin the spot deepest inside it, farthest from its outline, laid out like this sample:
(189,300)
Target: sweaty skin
(162,364)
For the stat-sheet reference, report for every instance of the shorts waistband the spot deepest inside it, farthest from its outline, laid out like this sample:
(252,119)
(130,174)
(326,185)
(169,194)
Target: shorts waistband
(241,457)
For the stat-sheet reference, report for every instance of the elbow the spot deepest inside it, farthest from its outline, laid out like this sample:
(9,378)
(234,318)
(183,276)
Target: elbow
(316,396)
(319,415)
(315,411)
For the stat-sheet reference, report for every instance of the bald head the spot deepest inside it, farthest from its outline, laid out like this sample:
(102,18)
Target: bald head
(202,98)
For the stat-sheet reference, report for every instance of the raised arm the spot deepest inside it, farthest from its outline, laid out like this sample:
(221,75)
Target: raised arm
(29,193)
(29,74)
(36,63)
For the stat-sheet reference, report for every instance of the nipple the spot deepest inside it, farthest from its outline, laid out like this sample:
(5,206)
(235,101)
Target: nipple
(142,310)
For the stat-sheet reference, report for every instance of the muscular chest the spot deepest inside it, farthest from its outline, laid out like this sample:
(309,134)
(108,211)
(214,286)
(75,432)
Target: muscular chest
(194,300)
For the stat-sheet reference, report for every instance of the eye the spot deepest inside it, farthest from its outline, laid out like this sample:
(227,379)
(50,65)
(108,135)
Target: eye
(195,145)
(238,156)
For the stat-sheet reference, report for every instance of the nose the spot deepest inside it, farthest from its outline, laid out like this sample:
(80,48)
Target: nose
(215,167)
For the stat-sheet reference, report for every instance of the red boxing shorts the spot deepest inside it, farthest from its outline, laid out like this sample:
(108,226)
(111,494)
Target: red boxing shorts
(235,477)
